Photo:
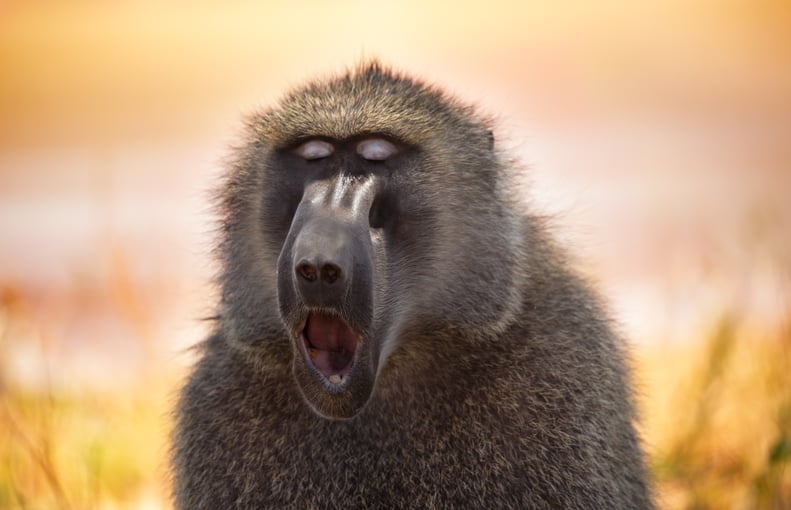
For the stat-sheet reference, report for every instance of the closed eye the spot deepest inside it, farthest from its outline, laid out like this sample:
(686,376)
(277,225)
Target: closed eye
(376,149)
(314,149)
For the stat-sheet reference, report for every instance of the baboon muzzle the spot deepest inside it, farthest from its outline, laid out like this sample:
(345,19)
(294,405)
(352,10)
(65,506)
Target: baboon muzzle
(323,259)
(325,275)
(331,251)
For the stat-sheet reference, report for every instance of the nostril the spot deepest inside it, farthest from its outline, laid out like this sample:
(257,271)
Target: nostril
(307,272)
(330,273)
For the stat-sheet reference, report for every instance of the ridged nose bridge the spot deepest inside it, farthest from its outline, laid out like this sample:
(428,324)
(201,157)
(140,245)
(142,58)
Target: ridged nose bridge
(332,238)
(344,197)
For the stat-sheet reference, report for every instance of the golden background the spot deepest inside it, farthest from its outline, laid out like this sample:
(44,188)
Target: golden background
(657,134)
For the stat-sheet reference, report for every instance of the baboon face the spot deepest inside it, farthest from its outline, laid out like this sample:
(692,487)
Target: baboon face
(377,202)
(344,211)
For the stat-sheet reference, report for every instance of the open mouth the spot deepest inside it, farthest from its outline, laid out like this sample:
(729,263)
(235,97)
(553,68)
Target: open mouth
(331,348)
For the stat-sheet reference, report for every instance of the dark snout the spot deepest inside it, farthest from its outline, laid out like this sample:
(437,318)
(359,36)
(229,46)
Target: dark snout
(324,253)
(325,292)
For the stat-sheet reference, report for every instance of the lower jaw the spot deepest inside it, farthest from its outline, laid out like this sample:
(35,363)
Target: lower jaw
(334,401)
(333,383)
(337,379)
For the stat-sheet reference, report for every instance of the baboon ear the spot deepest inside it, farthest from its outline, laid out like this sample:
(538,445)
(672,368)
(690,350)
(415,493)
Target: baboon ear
(490,137)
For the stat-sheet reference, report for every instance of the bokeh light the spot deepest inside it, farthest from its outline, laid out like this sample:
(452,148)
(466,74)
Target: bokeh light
(656,134)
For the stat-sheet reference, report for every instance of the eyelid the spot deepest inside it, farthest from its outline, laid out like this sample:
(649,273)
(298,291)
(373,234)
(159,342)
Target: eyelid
(314,149)
(376,149)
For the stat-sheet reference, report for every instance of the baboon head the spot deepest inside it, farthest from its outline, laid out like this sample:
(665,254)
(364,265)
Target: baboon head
(378,204)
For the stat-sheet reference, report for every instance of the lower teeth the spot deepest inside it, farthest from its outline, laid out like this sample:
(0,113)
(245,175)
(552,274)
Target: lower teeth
(335,378)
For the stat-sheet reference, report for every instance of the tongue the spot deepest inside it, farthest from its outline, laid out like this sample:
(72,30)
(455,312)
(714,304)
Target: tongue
(332,344)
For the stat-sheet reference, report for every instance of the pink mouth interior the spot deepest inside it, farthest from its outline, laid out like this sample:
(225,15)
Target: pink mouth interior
(331,344)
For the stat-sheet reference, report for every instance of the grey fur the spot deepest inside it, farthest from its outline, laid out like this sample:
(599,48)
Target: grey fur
(499,381)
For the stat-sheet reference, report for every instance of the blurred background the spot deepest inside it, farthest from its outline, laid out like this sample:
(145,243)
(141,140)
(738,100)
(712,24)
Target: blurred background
(657,135)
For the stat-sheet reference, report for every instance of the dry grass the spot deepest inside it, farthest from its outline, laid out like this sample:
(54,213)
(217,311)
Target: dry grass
(718,419)
(67,442)
(83,451)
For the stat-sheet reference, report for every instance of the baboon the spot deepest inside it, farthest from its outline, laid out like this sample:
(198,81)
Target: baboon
(393,330)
